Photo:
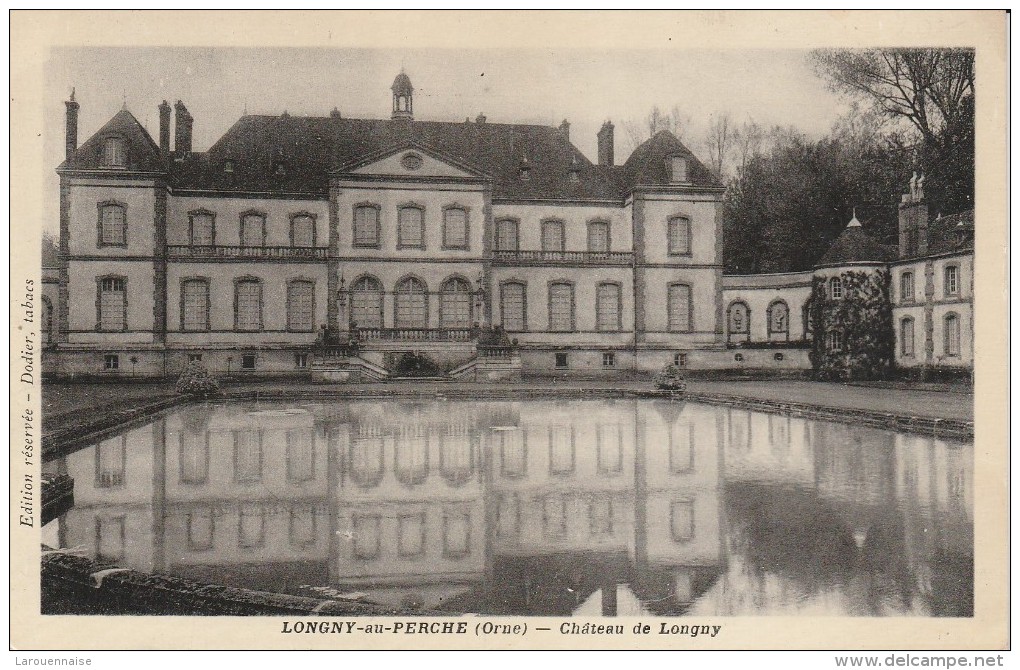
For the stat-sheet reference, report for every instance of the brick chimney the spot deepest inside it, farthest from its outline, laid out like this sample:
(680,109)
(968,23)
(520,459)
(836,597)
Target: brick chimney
(565,129)
(606,143)
(164,128)
(182,130)
(71,127)
(913,224)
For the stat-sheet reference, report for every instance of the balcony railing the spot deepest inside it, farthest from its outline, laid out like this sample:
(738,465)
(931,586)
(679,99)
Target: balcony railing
(415,334)
(220,251)
(564,257)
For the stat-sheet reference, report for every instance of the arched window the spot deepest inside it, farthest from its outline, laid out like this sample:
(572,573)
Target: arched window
(836,288)
(411,459)
(115,152)
(737,319)
(203,230)
(366,226)
(248,305)
(951,325)
(195,305)
(679,236)
(456,459)
(455,228)
(561,307)
(514,306)
(455,304)
(367,461)
(506,235)
(112,304)
(907,337)
(302,230)
(301,306)
(411,228)
(411,304)
(253,229)
(607,307)
(679,307)
(112,224)
(598,236)
(779,318)
(366,303)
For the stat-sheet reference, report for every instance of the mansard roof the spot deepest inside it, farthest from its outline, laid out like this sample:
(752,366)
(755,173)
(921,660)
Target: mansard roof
(854,246)
(143,152)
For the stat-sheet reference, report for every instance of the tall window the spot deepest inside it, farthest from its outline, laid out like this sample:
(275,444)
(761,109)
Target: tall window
(907,287)
(202,229)
(301,306)
(836,288)
(455,228)
(115,152)
(195,305)
(366,226)
(779,318)
(112,224)
(113,304)
(952,280)
(679,308)
(552,236)
(302,230)
(561,307)
(367,303)
(455,304)
(253,230)
(607,307)
(907,337)
(412,304)
(738,318)
(679,236)
(598,236)
(951,324)
(514,306)
(506,235)
(248,305)
(835,341)
(411,228)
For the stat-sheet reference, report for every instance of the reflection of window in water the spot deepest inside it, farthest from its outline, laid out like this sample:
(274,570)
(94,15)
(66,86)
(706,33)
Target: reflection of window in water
(200,530)
(247,456)
(681,520)
(561,450)
(601,516)
(194,457)
(251,532)
(302,527)
(367,531)
(301,455)
(508,515)
(411,459)
(513,451)
(779,434)
(456,458)
(554,516)
(739,425)
(111,462)
(610,449)
(110,534)
(411,535)
(367,461)
(456,534)
(681,448)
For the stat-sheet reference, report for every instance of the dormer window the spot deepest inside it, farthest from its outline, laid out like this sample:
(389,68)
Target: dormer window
(115,152)
(228,166)
(575,175)
(279,169)
(525,173)
(677,168)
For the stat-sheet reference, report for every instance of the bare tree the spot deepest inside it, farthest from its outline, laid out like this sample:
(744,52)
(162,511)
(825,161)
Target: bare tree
(748,141)
(719,143)
(675,121)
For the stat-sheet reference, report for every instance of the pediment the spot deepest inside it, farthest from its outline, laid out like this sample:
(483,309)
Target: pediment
(412,161)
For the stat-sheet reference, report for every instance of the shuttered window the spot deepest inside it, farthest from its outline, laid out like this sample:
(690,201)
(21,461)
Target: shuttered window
(366,226)
(301,306)
(506,235)
(679,308)
(411,228)
(907,337)
(202,229)
(513,305)
(248,301)
(598,236)
(679,236)
(552,236)
(302,231)
(113,304)
(253,230)
(455,229)
(561,307)
(607,307)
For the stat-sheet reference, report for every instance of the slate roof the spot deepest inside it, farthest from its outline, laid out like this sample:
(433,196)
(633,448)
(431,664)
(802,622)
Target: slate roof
(311,147)
(951,233)
(855,246)
(143,152)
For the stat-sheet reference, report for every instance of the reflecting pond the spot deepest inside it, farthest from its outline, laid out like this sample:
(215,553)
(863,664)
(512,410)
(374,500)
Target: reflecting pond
(541,507)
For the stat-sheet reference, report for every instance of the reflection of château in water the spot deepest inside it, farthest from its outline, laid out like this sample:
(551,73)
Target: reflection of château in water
(538,507)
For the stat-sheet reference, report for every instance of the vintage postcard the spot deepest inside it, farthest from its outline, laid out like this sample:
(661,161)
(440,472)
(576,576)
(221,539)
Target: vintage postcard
(509,330)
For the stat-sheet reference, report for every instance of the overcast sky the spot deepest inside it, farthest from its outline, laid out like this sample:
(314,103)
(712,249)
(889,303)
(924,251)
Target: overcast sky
(533,86)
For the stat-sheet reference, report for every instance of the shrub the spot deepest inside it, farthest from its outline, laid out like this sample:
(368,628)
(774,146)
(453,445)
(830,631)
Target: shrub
(195,380)
(670,378)
(413,364)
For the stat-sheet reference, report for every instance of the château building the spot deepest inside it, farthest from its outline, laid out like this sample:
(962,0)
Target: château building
(400,235)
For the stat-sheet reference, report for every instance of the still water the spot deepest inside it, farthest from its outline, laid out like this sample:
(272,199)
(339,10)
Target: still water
(538,507)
